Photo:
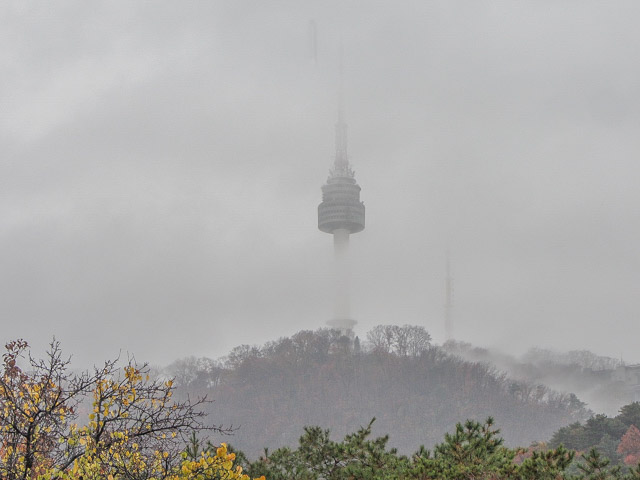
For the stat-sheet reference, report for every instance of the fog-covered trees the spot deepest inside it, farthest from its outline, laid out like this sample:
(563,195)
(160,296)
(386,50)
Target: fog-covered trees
(192,372)
(406,340)
(591,377)
(581,358)
(415,390)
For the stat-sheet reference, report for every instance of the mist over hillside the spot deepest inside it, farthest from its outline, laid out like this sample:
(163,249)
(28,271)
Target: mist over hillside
(594,379)
(417,391)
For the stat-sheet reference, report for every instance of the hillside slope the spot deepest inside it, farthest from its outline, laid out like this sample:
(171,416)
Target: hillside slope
(417,393)
(589,376)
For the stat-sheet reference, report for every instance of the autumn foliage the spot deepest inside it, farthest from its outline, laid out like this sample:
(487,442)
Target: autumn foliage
(629,446)
(130,427)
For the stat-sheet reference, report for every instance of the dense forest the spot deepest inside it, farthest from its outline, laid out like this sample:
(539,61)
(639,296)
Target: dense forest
(417,391)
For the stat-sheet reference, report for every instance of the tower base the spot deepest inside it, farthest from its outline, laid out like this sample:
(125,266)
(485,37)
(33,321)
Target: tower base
(345,325)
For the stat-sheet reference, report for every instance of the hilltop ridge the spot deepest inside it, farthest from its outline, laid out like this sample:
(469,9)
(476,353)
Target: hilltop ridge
(416,390)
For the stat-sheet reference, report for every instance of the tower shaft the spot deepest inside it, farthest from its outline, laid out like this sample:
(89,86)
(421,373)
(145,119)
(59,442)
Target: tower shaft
(342,307)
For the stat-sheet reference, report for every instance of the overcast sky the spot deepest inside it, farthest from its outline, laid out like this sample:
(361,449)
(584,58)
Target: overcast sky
(161,165)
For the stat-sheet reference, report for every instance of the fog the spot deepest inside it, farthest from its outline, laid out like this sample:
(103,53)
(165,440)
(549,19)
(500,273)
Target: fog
(162,164)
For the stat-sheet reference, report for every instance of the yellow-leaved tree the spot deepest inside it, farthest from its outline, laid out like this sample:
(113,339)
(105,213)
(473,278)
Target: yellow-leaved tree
(112,422)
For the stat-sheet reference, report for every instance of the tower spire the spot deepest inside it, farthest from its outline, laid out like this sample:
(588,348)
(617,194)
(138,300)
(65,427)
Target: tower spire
(341,85)
(341,162)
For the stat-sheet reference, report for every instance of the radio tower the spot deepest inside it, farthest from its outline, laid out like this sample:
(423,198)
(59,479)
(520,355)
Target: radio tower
(341,213)
(448,303)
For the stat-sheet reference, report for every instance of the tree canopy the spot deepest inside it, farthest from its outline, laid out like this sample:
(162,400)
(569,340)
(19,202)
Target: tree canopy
(113,422)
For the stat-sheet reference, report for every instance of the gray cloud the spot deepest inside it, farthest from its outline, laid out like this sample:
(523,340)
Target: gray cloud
(162,164)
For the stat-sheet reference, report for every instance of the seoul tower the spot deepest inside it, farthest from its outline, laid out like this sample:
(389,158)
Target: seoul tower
(341,213)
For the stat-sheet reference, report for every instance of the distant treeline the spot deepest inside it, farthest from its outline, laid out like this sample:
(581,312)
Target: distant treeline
(417,391)
(591,377)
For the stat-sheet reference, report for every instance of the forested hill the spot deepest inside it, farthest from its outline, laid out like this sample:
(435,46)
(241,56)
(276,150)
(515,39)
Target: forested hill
(591,377)
(416,391)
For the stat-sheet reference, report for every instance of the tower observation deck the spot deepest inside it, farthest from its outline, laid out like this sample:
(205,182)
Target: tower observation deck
(341,213)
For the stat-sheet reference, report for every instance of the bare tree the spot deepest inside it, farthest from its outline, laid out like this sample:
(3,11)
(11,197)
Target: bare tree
(406,340)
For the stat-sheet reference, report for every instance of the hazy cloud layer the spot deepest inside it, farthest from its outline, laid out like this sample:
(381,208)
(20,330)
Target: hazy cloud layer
(162,163)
